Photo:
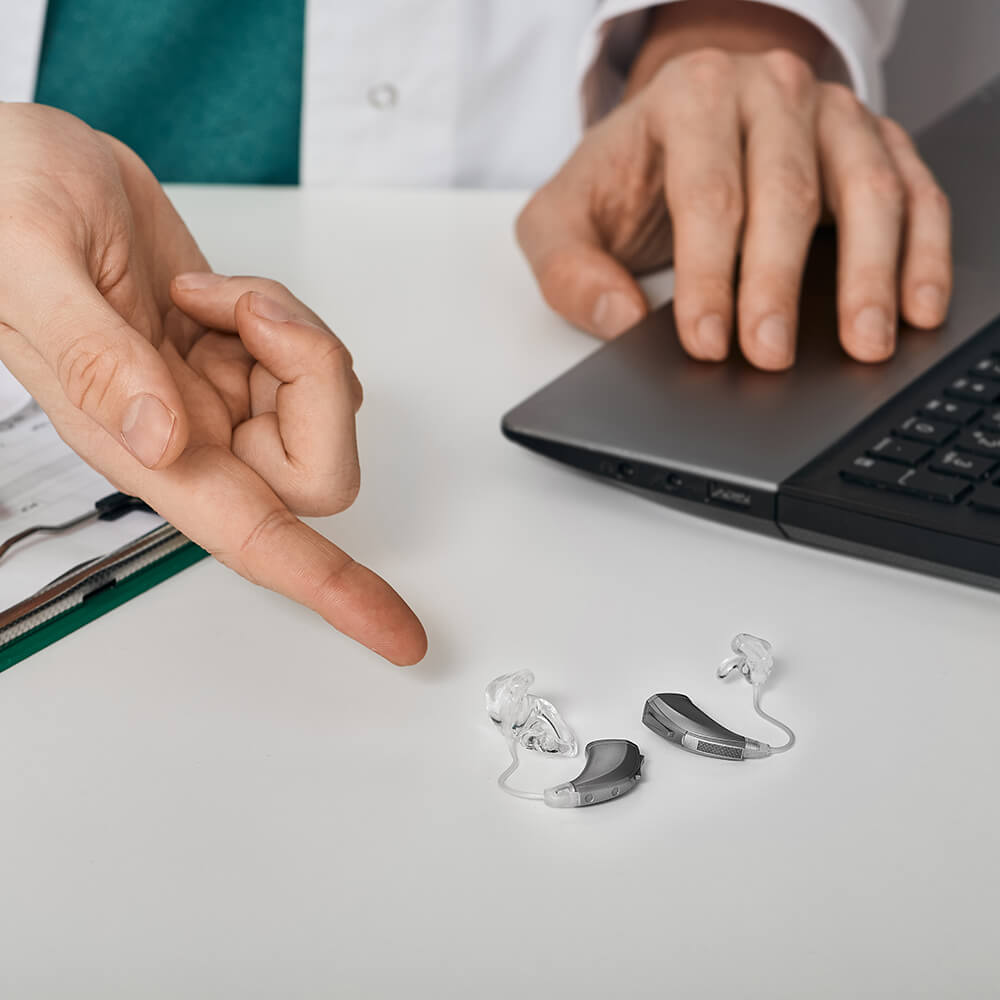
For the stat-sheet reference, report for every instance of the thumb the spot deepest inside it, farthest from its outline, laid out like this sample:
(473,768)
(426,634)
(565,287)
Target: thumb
(105,368)
(579,279)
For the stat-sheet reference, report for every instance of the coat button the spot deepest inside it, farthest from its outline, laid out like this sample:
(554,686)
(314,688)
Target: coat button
(383,96)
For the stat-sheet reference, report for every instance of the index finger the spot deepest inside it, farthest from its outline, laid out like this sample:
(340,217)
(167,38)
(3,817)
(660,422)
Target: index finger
(225,507)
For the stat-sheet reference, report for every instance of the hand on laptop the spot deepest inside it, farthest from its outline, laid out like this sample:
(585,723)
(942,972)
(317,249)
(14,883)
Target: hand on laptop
(734,151)
(225,403)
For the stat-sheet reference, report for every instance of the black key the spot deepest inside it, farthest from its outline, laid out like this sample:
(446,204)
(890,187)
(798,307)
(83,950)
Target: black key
(927,431)
(991,419)
(976,390)
(954,463)
(987,368)
(872,472)
(980,441)
(894,449)
(915,482)
(986,498)
(950,409)
(920,482)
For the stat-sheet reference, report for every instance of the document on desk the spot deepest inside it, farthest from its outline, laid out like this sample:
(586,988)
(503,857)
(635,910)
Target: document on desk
(44,482)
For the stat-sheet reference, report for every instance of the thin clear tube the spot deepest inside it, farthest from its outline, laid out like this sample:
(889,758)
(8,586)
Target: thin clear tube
(774,722)
(514,763)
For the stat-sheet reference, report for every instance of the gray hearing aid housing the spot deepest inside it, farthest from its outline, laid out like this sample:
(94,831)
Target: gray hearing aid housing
(612,769)
(677,718)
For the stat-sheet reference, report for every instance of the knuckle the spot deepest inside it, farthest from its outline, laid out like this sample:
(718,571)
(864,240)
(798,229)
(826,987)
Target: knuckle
(707,71)
(791,73)
(334,360)
(868,283)
(796,188)
(557,271)
(274,523)
(88,370)
(336,581)
(325,495)
(707,293)
(893,133)
(698,296)
(268,286)
(880,180)
(768,291)
(717,195)
(348,488)
(842,99)
(927,194)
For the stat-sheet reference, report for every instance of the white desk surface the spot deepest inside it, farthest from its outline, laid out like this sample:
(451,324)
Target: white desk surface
(209,793)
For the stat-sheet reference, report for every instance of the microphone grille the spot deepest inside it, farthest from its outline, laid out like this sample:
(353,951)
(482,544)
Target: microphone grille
(720,750)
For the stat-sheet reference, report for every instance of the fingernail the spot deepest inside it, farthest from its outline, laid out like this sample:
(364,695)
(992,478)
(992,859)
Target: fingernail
(197,279)
(615,313)
(930,300)
(774,342)
(267,308)
(146,428)
(874,331)
(712,337)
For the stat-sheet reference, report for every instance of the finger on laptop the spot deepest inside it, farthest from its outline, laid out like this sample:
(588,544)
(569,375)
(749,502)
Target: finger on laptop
(784,204)
(699,131)
(926,279)
(866,195)
(578,278)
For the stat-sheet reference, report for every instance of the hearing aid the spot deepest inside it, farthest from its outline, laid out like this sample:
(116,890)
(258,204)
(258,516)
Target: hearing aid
(531,723)
(676,718)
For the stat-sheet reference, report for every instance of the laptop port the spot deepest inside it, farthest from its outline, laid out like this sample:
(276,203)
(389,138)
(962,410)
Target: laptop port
(681,484)
(735,496)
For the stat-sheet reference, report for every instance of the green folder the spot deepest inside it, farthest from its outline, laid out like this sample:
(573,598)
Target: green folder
(82,595)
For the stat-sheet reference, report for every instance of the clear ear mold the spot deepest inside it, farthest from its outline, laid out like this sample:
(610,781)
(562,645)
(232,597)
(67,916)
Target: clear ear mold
(531,723)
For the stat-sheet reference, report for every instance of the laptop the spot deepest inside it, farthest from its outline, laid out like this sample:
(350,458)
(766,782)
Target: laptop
(898,463)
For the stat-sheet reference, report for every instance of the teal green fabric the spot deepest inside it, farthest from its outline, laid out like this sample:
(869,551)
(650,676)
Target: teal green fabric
(204,90)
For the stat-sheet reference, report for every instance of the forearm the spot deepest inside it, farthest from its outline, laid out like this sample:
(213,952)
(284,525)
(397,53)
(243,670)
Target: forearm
(733,25)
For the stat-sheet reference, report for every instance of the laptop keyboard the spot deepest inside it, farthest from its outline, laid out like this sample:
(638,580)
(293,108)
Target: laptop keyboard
(948,450)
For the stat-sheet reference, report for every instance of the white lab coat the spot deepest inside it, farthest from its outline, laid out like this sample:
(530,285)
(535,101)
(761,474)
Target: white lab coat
(488,93)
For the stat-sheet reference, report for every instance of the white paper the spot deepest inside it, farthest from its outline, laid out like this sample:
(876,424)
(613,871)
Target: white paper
(43,481)
(13,395)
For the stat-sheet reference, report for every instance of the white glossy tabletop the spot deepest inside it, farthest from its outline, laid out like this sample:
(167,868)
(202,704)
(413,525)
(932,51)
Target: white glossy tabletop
(209,793)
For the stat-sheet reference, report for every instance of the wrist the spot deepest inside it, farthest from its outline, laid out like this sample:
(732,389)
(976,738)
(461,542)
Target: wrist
(737,26)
